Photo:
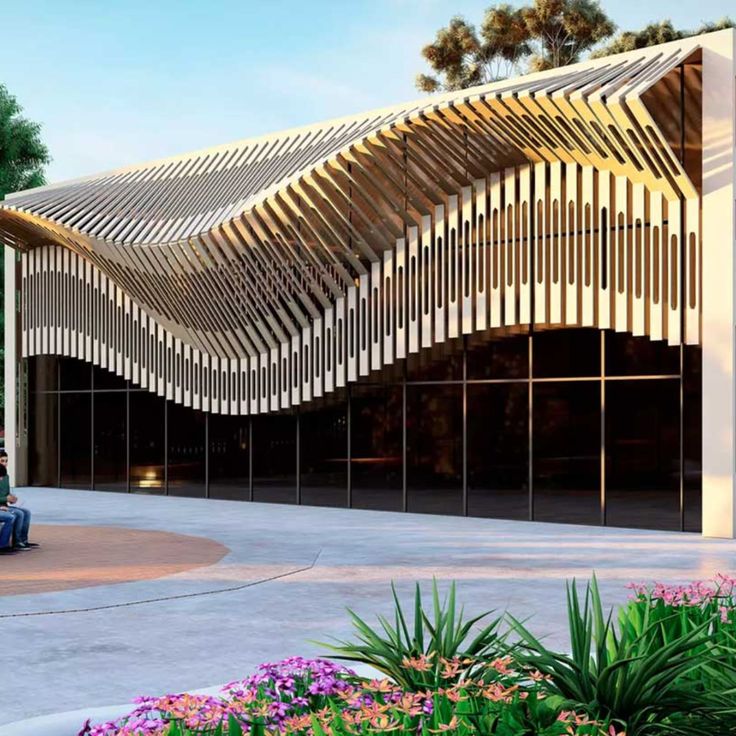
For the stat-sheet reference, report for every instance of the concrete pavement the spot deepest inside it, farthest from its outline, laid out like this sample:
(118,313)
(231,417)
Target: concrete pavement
(289,575)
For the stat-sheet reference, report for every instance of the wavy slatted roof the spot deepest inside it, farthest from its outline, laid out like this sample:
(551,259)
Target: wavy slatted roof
(589,113)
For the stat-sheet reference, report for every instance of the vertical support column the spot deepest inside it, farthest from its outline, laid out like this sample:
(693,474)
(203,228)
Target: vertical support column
(719,316)
(15,435)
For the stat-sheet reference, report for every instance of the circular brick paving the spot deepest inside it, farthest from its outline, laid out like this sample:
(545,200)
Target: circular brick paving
(82,556)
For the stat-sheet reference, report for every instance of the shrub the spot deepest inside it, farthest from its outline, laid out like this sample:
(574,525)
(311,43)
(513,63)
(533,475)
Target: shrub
(632,672)
(416,654)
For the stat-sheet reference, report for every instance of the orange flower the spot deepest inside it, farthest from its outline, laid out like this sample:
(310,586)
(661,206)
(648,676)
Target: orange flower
(445,727)
(420,664)
(410,705)
(450,667)
(502,665)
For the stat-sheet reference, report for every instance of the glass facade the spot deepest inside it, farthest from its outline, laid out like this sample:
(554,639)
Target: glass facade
(574,425)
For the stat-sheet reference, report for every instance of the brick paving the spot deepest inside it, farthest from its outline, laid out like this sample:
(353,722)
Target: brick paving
(85,556)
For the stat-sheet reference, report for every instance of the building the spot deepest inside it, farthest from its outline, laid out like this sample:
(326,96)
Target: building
(512,301)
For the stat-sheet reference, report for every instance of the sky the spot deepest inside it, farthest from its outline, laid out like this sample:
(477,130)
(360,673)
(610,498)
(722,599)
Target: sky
(117,82)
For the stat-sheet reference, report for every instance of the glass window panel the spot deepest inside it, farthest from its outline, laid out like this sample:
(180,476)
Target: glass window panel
(105,379)
(43,456)
(499,357)
(43,373)
(627,355)
(323,455)
(274,458)
(74,375)
(693,427)
(229,457)
(498,450)
(147,451)
(442,362)
(376,425)
(75,440)
(642,454)
(434,449)
(110,412)
(566,452)
(566,353)
(186,456)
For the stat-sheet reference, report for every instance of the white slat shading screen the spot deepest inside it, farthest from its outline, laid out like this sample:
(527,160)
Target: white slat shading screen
(257,276)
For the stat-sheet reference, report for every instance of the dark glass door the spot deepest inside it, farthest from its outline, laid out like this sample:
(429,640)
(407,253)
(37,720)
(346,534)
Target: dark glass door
(75,440)
(229,457)
(111,451)
(498,450)
(434,448)
(567,452)
(377,428)
(274,458)
(147,443)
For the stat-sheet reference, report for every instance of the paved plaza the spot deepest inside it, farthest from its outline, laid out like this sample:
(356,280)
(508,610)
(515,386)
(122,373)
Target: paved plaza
(168,594)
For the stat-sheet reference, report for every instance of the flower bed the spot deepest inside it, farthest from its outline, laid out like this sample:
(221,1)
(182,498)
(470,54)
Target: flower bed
(301,697)
(664,663)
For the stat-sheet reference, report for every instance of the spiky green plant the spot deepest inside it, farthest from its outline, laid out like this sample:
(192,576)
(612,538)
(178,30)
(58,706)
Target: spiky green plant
(414,655)
(626,672)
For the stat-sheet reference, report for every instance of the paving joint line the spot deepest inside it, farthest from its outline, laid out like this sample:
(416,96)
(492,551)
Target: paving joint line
(145,601)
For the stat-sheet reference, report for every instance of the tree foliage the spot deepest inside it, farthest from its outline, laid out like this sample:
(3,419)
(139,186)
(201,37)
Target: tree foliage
(545,34)
(564,29)
(542,35)
(22,159)
(461,58)
(656,33)
(22,153)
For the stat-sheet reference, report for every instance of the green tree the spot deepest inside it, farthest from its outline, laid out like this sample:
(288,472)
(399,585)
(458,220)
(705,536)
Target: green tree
(22,153)
(545,34)
(22,159)
(656,33)
(563,30)
(460,57)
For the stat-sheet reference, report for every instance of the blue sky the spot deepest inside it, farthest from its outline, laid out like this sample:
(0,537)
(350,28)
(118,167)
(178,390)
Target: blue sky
(117,83)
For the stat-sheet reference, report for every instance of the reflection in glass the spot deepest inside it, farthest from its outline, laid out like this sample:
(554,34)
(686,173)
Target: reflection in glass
(43,433)
(498,450)
(642,454)
(229,457)
(274,458)
(74,375)
(105,379)
(499,357)
(693,436)
(110,420)
(186,457)
(566,353)
(75,440)
(627,355)
(434,435)
(566,452)
(147,437)
(442,362)
(642,440)
(323,453)
(376,420)
(43,373)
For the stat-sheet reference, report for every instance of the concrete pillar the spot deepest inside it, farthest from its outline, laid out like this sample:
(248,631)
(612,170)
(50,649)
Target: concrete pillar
(719,282)
(11,373)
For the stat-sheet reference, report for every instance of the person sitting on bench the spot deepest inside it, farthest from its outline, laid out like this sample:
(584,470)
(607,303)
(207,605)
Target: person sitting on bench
(21,515)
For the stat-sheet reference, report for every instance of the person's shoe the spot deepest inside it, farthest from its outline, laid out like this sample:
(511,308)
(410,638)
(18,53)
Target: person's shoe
(7,551)
(32,544)
(22,547)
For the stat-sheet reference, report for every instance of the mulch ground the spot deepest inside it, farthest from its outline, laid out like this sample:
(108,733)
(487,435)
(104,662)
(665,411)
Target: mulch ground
(83,556)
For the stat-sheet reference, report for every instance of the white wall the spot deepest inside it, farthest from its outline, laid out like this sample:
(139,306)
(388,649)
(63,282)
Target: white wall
(719,279)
